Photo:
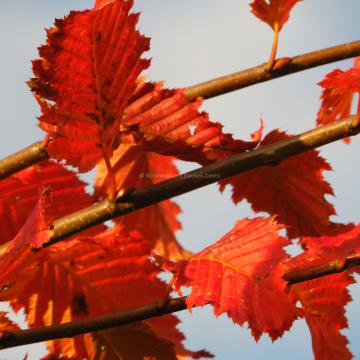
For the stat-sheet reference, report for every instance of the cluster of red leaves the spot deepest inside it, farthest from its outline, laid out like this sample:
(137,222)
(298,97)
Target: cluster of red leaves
(98,112)
(156,120)
(242,275)
(84,79)
(97,272)
(88,111)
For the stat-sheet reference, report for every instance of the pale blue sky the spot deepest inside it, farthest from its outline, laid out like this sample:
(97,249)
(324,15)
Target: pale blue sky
(193,41)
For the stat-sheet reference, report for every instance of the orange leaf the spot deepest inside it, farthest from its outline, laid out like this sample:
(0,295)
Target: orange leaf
(239,276)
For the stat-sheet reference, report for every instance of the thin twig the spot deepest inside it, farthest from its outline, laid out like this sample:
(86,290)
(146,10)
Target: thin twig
(314,272)
(219,86)
(267,155)
(71,329)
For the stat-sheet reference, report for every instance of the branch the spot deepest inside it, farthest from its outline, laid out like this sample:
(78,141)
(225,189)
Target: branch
(269,155)
(259,74)
(209,89)
(71,329)
(314,272)
(108,321)
(22,159)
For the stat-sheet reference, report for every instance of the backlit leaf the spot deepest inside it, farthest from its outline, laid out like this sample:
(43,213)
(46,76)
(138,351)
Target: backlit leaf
(84,78)
(339,90)
(323,302)
(172,125)
(239,276)
(294,191)
(20,193)
(87,277)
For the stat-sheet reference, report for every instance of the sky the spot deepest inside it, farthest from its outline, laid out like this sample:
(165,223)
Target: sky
(194,41)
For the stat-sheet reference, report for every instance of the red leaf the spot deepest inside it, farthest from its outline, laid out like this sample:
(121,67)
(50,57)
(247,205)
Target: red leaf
(340,81)
(84,79)
(134,168)
(172,125)
(37,228)
(20,193)
(19,253)
(339,88)
(331,247)
(326,249)
(273,11)
(323,302)
(294,190)
(239,276)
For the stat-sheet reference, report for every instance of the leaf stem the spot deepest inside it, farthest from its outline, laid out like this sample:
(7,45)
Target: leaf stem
(271,61)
